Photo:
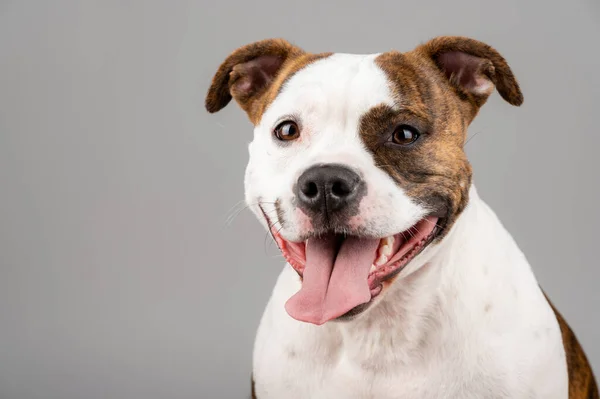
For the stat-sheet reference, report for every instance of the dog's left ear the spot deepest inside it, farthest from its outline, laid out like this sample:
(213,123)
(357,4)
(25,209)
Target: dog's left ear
(473,68)
(247,74)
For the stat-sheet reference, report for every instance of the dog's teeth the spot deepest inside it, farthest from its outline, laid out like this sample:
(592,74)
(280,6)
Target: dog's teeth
(386,246)
(386,250)
(373,268)
(382,260)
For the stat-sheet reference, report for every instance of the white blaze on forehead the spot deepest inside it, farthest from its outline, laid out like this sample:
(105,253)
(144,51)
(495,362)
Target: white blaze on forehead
(332,93)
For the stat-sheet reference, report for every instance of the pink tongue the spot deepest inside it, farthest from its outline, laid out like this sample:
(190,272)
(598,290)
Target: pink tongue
(332,285)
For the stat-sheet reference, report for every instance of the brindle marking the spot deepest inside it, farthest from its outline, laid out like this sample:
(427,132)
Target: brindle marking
(582,383)
(253,390)
(439,88)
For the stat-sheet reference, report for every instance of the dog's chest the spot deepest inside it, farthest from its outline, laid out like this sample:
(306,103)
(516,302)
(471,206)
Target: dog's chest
(298,360)
(329,368)
(304,365)
(397,360)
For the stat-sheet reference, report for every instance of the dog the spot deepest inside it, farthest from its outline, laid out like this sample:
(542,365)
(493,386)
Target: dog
(400,281)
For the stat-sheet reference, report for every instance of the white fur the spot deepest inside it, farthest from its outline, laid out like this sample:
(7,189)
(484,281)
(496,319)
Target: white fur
(466,318)
(327,98)
(472,323)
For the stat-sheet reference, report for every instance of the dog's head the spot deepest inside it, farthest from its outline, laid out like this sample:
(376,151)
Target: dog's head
(357,165)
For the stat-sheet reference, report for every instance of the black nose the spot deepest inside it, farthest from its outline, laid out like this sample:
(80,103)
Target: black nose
(328,188)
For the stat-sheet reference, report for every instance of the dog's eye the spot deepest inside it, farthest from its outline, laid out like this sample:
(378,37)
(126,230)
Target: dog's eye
(405,135)
(287,131)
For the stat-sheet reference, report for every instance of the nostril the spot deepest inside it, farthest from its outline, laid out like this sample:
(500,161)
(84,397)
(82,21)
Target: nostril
(310,190)
(327,187)
(341,189)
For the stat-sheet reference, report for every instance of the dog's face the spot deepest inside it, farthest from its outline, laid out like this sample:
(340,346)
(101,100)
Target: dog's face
(357,165)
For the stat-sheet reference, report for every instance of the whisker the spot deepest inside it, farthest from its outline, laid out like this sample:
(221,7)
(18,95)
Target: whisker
(281,228)
(472,136)
(233,211)
(267,235)
(384,165)
(273,237)
(236,213)
(240,202)
(271,225)
(434,223)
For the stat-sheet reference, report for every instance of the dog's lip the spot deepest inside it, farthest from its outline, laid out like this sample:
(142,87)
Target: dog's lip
(376,278)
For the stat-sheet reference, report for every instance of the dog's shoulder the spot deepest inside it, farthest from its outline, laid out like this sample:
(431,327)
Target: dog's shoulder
(582,383)
(253,392)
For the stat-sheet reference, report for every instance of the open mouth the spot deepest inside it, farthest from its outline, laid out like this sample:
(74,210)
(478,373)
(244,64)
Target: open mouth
(342,273)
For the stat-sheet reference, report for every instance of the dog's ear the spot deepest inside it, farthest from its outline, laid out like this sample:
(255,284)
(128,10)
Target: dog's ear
(473,68)
(247,73)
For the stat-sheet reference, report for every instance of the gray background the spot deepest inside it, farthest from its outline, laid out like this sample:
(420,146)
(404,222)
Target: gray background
(119,276)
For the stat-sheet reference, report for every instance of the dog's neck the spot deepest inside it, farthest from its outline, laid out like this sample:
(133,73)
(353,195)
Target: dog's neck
(431,306)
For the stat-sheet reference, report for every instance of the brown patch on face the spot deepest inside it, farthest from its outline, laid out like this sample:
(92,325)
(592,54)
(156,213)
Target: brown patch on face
(438,89)
(434,170)
(253,75)
(582,383)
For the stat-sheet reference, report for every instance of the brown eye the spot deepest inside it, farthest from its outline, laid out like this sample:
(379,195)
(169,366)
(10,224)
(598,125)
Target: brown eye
(405,135)
(287,131)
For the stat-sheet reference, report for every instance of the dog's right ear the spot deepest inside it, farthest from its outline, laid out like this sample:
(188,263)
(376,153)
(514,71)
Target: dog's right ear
(247,74)
(473,68)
